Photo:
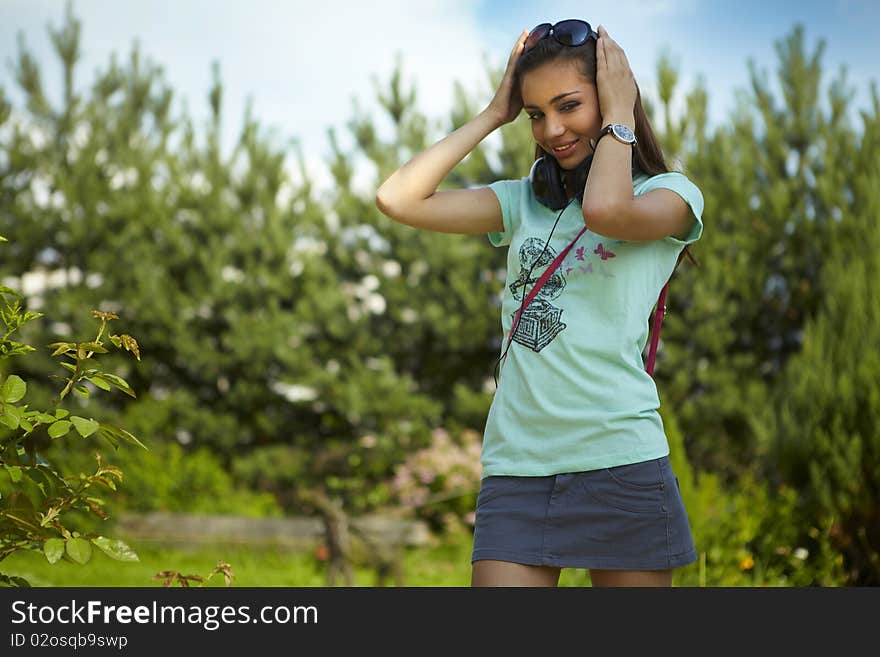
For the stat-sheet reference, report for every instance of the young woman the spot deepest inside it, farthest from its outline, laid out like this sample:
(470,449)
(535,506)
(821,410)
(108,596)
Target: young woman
(575,458)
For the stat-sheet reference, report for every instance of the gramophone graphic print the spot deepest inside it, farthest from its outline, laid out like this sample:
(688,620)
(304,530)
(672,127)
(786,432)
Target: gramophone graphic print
(541,321)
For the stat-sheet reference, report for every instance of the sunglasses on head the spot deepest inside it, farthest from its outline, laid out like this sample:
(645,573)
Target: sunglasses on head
(571,32)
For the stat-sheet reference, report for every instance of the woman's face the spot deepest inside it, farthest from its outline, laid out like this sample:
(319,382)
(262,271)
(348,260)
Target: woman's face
(563,108)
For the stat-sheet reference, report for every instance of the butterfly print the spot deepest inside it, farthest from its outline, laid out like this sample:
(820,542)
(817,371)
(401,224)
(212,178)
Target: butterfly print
(580,253)
(603,253)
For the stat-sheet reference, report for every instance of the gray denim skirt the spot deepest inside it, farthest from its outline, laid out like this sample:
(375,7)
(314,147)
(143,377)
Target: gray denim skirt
(629,517)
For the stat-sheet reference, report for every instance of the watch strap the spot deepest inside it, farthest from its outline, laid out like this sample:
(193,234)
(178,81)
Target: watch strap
(610,129)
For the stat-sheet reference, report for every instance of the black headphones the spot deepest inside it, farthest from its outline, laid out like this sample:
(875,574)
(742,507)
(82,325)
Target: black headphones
(550,181)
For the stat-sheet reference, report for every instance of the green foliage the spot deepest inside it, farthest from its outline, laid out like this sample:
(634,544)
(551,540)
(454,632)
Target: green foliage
(765,355)
(443,564)
(749,534)
(169,478)
(275,469)
(37,502)
(774,179)
(831,450)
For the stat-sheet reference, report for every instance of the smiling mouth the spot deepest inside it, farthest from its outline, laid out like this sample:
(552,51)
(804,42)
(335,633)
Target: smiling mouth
(562,150)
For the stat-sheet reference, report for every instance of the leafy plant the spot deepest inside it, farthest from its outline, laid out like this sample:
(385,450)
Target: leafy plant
(38,500)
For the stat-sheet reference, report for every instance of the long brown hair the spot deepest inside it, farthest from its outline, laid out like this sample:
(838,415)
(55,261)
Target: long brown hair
(647,155)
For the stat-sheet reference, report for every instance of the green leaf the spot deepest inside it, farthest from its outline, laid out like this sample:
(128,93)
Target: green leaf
(59,428)
(99,382)
(85,427)
(119,382)
(82,391)
(79,549)
(14,473)
(10,417)
(13,389)
(48,481)
(53,548)
(69,366)
(12,580)
(27,426)
(115,549)
(38,476)
(12,348)
(108,436)
(45,418)
(132,439)
(62,347)
(60,413)
(122,434)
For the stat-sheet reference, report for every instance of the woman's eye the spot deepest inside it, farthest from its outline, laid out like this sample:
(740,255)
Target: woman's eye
(568,106)
(534,116)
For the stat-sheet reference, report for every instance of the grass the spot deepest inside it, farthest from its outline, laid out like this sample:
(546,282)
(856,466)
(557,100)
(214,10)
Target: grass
(446,564)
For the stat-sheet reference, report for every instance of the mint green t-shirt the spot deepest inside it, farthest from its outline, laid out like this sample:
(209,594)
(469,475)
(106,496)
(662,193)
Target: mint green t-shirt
(573,393)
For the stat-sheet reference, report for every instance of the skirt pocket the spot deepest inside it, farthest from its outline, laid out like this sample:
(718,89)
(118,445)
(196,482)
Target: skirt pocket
(636,488)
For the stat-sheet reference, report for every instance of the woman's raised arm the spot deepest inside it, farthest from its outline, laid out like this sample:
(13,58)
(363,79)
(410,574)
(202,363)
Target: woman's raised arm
(409,195)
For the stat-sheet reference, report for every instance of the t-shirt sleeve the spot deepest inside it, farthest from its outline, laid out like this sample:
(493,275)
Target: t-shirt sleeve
(681,185)
(508,193)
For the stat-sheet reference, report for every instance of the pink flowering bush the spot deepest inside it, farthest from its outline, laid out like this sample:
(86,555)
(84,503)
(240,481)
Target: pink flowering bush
(440,482)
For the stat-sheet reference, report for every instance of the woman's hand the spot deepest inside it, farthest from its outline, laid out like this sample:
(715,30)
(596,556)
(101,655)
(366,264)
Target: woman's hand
(615,82)
(507,103)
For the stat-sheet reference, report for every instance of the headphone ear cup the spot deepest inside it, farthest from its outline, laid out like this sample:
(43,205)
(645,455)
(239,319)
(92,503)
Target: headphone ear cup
(577,179)
(547,184)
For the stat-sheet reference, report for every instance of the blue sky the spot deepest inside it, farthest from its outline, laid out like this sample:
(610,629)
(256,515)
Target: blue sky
(304,63)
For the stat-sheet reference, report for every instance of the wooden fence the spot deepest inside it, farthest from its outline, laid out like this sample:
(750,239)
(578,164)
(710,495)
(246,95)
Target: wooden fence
(374,540)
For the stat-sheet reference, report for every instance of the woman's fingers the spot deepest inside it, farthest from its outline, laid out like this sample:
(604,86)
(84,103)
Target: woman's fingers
(507,103)
(515,53)
(517,48)
(615,78)
(612,53)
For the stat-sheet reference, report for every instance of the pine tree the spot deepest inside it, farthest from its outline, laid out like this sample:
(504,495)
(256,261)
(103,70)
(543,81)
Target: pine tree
(824,430)
(770,180)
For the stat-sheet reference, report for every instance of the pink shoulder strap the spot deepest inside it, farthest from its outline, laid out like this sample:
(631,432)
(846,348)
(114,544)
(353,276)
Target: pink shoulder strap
(658,313)
(661,311)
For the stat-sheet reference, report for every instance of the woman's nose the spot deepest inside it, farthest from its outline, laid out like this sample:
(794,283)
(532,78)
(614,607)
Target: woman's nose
(553,127)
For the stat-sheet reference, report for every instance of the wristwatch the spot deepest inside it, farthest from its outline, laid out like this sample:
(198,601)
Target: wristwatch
(620,132)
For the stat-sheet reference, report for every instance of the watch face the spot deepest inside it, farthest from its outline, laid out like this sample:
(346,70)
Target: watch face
(623,133)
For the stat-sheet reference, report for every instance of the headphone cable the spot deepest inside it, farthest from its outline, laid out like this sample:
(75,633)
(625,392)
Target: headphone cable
(497,369)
